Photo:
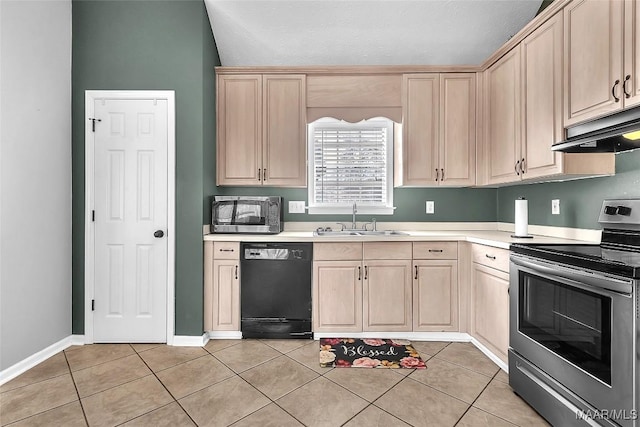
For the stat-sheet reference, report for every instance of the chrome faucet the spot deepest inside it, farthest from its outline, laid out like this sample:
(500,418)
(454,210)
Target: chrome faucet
(353,222)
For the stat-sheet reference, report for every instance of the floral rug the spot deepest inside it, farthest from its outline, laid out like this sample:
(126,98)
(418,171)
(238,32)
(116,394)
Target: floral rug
(368,353)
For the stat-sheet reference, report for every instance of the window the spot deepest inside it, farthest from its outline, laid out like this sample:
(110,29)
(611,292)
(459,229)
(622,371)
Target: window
(351,162)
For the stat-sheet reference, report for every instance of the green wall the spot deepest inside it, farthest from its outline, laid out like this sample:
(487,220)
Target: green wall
(160,45)
(451,204)
(580,200)
(168,45)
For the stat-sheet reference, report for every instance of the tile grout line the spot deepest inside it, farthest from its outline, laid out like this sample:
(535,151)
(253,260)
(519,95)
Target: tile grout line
(170,394)
(115,386)
(35,382)
(236,374)
(380,397)
(101,363)
(73,380)
(476,399)
(402,378)
(270,401)
(286,394)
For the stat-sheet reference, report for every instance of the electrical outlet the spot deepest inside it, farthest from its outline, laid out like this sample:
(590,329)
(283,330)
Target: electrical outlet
(555,207)
(431,207)
(297,207)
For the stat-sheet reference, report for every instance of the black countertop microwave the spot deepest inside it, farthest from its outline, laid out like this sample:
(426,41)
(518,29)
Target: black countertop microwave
(247,214)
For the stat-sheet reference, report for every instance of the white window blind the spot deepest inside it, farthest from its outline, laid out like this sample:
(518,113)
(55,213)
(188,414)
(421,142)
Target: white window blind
(351,162)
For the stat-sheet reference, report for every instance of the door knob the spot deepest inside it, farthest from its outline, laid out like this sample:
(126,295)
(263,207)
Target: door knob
(158,234)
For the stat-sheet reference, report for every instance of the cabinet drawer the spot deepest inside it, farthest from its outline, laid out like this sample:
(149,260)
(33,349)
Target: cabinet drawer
(491,257)
(226,250)
(337,251)
(387,250)
(435,250)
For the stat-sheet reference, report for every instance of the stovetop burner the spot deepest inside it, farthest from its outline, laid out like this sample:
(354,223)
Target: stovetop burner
(619,250)
(586,256)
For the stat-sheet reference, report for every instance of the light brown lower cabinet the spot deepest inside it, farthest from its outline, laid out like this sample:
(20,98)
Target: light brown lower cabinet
(435,295)
(367,289)
(337,296)
(490,308)
(222,286)
(386,295)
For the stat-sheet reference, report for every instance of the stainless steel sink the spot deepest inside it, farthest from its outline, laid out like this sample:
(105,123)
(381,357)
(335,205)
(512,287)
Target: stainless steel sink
(336,233)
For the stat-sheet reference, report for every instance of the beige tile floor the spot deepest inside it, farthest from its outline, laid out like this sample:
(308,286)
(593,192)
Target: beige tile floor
(258,383)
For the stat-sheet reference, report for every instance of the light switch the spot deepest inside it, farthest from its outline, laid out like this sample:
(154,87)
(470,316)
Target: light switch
(297,206)
(555,207)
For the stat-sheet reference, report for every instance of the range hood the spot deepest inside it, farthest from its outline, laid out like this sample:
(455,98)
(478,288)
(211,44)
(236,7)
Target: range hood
(611,134)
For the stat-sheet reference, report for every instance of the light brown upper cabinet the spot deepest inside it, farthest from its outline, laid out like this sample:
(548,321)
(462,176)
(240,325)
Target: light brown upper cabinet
(439,130)
(524,114)
(541,56)
(261,130)
(502,119)
(593,38)
(631,53)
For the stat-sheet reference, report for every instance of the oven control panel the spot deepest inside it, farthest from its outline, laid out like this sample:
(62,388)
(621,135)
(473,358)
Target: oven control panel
(624,213)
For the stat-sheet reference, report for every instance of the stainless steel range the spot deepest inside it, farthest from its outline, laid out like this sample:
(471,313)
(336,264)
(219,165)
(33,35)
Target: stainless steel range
(574,327)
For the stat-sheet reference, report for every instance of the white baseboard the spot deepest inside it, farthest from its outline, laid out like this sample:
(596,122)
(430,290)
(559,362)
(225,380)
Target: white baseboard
(77,340)
(225,335)
(39,357)
(189,341)
(415,336)
(495,359)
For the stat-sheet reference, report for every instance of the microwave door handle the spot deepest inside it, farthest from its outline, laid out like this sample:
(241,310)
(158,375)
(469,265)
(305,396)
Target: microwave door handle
(592,280)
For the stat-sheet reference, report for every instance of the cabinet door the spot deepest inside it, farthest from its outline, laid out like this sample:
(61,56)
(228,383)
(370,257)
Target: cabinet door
(239,130)
(542,113)
(387,295)
(457,151)
(420,129)
(631,53)
(337,296)
(285,142)
(593,38)
(490,309)
(435,295)
(226,296)
(502,118)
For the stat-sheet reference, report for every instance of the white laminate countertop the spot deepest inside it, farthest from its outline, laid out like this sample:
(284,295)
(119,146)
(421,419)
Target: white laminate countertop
(499,239)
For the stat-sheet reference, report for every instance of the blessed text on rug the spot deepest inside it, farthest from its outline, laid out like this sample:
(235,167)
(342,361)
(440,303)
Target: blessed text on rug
(369,353)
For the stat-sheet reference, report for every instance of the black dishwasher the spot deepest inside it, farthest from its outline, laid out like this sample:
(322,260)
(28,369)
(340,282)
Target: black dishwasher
(275,290)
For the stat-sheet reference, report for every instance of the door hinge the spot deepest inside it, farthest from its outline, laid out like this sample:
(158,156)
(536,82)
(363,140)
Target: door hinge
(93,123)
(93,305)
(93,216)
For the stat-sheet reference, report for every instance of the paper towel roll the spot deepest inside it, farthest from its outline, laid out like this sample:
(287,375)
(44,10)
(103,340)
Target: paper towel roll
(522,217)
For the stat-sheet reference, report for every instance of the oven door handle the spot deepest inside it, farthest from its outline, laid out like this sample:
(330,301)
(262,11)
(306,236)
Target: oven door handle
(593,280)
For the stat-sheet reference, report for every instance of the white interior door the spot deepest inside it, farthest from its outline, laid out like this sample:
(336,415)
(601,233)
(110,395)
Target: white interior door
(130,203)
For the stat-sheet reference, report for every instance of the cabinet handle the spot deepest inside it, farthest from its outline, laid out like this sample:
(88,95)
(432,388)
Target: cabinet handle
(516,168)
(436,174)
(489,256)
(416,276)
(366,272)
(441,174)
(226,250)
(435,250)
(522,166)
(613,91)
(264,175)
(359,273)
(624,86)
(236,271)
(259,175)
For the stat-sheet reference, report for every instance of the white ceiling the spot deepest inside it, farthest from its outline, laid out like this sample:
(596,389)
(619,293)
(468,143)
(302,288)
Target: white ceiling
(364,32)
